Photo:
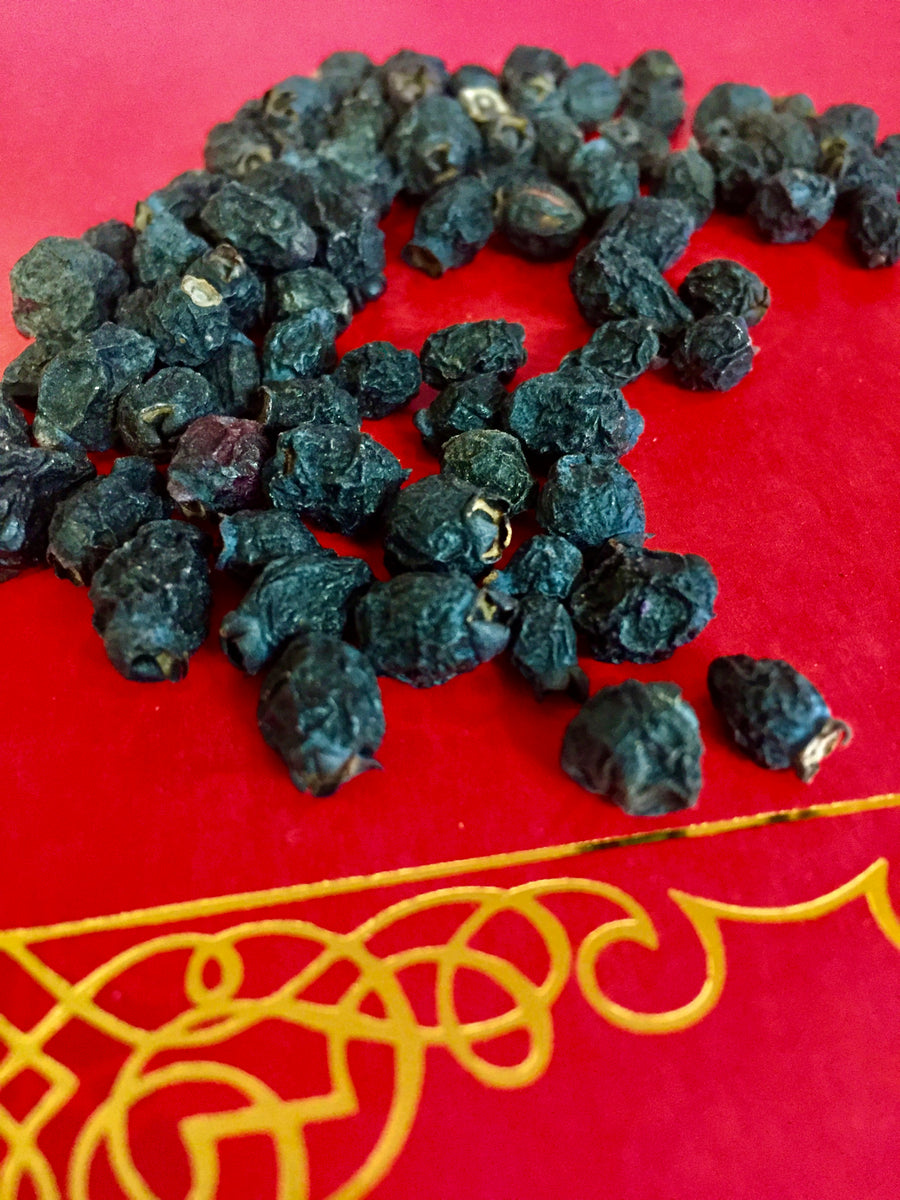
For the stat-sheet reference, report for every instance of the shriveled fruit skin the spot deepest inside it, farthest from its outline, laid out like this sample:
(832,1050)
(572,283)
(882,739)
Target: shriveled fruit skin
(424,628)
(493,462)
(544,648)
(590,500)
(320,709)
(619,351)
(612,280)
(712,354)
(151,601)
(32,482)
(63,285)
(545,564)
(217,467)
(720,287)
(472,348)
(773,713)
(639,745)
(472,403)
(380,378)
(441,523)
(253,537)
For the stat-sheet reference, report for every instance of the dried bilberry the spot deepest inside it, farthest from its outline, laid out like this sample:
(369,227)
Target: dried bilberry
(545,564)
(653,91)
(253,537)
(687,176)
(473,348)
(541,220)
(13,426)
(724,103)
(164,247)
(712,354)
(590,94)
(738,168)
(793,205)
(851,122)
(424,628)
(493,462)
(217,466)
(451,227)
(291,595)
(32,483)
(470,404)
(295,293)
(544,648)
(575,411)
(189,321)
(343,71)
(297,110)
(63,285)
(613,280)
(557,139)
(530,74)
(21,378)
(659,229)
(307,402)
(432,143)
(237,147)
(300,346)
(643,144)
(103,514)
(774,714)
(798,104)
(151,601)
(470,76)
(441,523)
(620,351)
(182,197)
(601,176)
(151,415)
(115,239)
(381,378)
(233,373)
(590,501)
(240,287)
(873,231)
(639,745)
(889,153)
(854,170)
(320,709)
(782,141)
(720,287)
(267,230)
(408,77)
(340,478)
(640,605)
(80,386)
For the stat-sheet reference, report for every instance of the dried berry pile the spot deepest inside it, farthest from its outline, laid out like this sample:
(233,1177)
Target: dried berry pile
(200,341)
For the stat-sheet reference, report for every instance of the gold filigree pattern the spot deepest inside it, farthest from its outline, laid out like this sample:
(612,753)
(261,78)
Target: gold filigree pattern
(219,1002)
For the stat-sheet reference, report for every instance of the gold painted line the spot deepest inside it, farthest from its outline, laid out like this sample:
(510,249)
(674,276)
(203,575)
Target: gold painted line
(292,893)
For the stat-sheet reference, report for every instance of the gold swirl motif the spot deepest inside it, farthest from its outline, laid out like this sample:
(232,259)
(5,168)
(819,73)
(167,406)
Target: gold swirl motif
(217,1010)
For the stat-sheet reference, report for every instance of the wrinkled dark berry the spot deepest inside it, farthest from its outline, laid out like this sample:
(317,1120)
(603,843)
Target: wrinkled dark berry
(296,110)
(873,231)
(774,714)
(544,648)
(557,139)
(493,462)
(240,287)
(726,102)
(852,122)
(103,514)
(473,348)
(781,140)
(712,354)
(470,404)
(307,402)
(541,220)
(408,77)
(289,596)
(640,605)
(441,523)
(530,74)
(423,628)
(164,247)
(472,75)
(544,564)
(253,537)
(132,310)
(575,411)
(853,169)
(233,373)
(217,466)
(22,377)
(793,205)
(151,415)
(237,147)
(343,71)
(612,281)
(591,95)
(295,293)
(590,501)
(364,110)
(32,482)
(13,426)
(432,143)
(653,91)
(688,177)
(300,346)
(720,287)
(381,378)
(602,176)
(320,709)
(63,285)
(115,239)
(80,386)
(798,104)
(340,478)
(657,228)
(151,601)
(182,197)
(451,227)
(889,153)
(508,140)
(639,745)
(643,144)
(266,230)
(189,321)
(620,351)
(738,168)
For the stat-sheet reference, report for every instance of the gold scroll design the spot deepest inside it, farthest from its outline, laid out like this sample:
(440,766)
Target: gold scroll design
(217,1011)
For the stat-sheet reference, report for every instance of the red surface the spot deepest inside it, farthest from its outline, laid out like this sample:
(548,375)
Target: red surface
(118,795)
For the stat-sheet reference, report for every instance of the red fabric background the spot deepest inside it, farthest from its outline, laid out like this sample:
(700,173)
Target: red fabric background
(123,795)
